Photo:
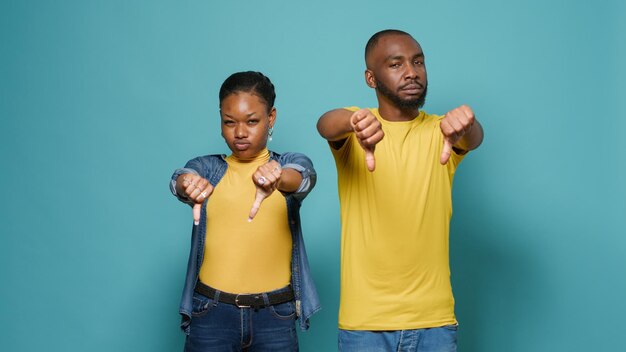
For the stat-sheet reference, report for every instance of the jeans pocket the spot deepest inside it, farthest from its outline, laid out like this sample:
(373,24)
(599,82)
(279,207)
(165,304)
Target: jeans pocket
(284,311)
(201,305)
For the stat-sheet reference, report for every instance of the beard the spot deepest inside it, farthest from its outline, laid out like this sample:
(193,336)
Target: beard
(403,104)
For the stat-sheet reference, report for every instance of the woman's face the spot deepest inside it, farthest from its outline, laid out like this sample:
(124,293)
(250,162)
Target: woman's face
(245,123)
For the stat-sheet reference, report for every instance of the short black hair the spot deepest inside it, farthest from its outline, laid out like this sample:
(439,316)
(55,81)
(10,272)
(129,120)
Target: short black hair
(374,39)
(249,82)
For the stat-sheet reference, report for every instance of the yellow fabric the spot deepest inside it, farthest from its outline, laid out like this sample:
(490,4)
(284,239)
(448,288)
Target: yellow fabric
(395,271)
(242,256)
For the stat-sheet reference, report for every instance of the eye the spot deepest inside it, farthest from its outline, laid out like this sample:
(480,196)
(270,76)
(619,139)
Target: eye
(228,122)
(395,65)
(253,122)
(419,62)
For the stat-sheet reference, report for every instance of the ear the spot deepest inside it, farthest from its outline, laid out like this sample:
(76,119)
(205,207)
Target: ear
(370,80)
(272,116)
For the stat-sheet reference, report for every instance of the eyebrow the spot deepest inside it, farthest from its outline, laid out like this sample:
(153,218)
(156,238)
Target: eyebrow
(248,115)
(400,57)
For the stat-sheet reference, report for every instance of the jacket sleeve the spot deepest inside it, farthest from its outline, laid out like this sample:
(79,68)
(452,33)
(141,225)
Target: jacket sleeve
(304,166)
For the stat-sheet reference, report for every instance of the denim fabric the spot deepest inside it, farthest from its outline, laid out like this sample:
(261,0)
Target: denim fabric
(213,168)
(442,339)
(217,326)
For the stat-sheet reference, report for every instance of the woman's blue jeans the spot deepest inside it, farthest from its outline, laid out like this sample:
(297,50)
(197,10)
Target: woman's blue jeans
(217,326)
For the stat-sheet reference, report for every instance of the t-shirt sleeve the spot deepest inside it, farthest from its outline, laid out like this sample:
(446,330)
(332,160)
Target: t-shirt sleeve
(342,153)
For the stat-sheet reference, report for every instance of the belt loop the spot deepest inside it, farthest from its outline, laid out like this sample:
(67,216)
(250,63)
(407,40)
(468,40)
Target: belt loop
(216,298)
(266,299)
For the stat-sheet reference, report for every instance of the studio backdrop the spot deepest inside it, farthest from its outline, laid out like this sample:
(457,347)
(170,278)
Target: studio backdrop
(101,100)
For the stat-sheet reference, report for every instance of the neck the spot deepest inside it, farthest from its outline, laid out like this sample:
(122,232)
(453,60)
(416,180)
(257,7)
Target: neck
(263,154)
(392,112)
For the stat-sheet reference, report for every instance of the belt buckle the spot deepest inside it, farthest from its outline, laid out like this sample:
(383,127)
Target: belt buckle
(239,305)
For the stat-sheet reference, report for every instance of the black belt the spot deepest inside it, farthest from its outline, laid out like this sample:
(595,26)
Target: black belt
(254,300)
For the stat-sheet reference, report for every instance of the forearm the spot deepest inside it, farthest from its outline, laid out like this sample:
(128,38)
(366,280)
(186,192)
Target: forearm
(335,125)
(290,180)
(301,164)
(472,139)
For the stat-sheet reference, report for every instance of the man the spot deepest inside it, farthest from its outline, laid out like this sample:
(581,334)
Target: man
(395,166)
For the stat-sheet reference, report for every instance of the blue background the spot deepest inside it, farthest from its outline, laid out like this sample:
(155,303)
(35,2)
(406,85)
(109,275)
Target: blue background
(101,100)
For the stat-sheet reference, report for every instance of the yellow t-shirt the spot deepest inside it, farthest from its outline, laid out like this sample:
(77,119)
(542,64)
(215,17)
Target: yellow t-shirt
(242,256)
(395,271)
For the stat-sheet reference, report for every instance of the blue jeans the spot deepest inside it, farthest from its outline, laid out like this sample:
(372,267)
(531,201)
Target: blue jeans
(441,339)
(217,326)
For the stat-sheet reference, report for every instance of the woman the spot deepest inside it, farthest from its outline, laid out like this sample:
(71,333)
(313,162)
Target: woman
(248,277)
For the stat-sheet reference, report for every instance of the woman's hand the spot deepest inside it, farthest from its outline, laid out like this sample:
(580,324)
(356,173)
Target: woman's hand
(196,189)
(266,179)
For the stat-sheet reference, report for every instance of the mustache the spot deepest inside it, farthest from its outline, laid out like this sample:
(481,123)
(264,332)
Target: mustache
(412,83)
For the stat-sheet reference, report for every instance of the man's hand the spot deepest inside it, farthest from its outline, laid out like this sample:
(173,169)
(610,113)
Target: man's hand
(456,124)
(266,179)
(196,189)
(369,132)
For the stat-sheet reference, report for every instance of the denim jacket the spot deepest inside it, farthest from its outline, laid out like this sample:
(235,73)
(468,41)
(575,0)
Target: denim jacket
(213,168)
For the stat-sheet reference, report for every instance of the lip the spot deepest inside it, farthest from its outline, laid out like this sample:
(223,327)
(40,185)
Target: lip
(412,88)
(241,145)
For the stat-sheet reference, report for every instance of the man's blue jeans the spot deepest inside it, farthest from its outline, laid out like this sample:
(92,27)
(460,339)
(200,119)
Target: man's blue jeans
(217,326)
(441,339)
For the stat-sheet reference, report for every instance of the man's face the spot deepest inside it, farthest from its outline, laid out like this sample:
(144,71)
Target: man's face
(245,124)
(396,69)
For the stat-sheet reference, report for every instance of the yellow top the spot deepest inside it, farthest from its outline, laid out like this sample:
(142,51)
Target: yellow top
(242,256)
(395,271)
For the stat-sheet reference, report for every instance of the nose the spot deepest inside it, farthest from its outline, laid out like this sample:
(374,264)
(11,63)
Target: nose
(241,131)
(411,72)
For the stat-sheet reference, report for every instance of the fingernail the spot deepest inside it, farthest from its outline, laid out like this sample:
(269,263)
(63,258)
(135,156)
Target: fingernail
(196,223)
(249,219)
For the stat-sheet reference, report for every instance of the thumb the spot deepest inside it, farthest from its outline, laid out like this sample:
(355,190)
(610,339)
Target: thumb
(260,196)
(447,151)
(370,161)
(196,213)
